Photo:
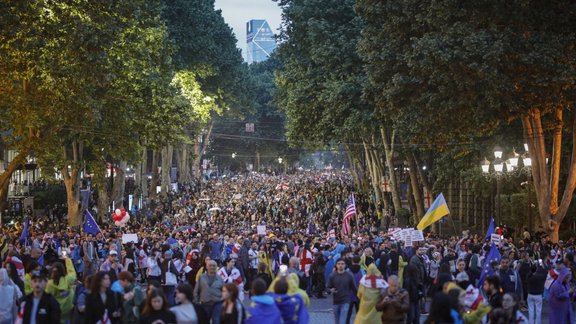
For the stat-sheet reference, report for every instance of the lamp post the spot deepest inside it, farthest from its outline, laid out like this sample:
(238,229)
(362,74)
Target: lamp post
(499,171)
(512,164)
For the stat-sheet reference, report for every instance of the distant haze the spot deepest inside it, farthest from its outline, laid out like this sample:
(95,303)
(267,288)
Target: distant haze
(237,12)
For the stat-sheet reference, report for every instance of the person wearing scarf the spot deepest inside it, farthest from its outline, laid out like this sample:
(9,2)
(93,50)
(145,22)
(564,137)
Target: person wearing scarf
(368,293)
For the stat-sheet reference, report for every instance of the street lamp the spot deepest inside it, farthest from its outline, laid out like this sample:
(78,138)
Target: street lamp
(499,172)
(280,160)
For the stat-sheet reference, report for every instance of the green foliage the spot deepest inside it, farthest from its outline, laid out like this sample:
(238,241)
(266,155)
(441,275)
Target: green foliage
(320,83)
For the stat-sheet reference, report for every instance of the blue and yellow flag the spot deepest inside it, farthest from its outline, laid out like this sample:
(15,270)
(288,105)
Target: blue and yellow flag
(437,210)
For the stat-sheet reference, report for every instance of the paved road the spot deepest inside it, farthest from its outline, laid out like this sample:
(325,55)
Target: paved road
(321,312)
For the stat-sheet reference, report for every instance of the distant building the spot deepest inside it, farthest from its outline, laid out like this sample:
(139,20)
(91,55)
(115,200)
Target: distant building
(259,40)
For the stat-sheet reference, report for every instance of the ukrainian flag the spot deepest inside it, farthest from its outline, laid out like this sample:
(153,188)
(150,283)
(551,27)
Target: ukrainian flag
(437,210)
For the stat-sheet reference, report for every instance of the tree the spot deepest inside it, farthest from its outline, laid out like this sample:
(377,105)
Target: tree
(470,67)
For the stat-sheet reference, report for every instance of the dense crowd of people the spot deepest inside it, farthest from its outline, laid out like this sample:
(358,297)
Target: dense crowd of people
(260,249)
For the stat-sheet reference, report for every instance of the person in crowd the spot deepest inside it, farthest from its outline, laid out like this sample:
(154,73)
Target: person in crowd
(511,304)
(80,295)
(61,286)
(357,273)
(230,274)
(458,310)
(169,277)
(89,255)
(156,309)
(103,303)
(394,302)
(253,262)
(509,278)
(39,306)
(341,284)
(10,294)
(461,275)
(318,278)
(186,311)
(413,286)
(230,310)
(291,306)
(369,288)
(560,308)
(154,272)
(535,288)
(208,290)
(13,274)
(112,265)
(440,310)
(133,298)
(262,308)
(263,274)
(491,288)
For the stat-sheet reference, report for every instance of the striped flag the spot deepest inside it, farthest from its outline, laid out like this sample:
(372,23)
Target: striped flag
(348,215)
(331,234)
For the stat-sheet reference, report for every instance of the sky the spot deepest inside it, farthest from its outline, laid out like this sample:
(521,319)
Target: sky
(237,12)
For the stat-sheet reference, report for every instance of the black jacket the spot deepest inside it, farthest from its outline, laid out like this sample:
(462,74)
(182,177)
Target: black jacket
(95,308)
(48,309)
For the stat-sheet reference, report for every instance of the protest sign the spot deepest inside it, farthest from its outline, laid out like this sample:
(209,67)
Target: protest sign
(417,235)
(261,229)
(495,238)
(129,238)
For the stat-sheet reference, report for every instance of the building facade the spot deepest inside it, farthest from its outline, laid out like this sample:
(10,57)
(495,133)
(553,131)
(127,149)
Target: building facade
(260,41)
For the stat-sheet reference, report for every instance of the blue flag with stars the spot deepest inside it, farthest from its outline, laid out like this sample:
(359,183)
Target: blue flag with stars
(90,225)
(491,229)
(24,236)
(493,255)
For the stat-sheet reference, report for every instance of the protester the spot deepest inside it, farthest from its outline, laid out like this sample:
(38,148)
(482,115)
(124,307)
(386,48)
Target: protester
(341,284)
(156,309)
(511,304)
(10,294)
(208,290)
(369,293)
(103,303)
(133,298)
(262,308)
(230,309)
(560,307)
(61,286)
(39,305)
(535,286)
(394,302)
(186,312)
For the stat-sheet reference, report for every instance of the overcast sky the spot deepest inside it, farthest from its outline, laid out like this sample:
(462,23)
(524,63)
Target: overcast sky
(238,12)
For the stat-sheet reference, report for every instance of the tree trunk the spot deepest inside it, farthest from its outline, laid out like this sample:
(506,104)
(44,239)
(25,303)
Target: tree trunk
(167,153)
(551,213)
(71,177)
(119,185)
(18,160)
(152,194)
(416,188)
(388,142)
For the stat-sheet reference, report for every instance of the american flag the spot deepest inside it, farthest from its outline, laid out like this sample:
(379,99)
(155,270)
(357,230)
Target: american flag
(348,215)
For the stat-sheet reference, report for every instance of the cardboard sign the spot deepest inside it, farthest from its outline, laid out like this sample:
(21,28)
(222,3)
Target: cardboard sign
(417,236)
(495,238)
(129,238)
(261,229)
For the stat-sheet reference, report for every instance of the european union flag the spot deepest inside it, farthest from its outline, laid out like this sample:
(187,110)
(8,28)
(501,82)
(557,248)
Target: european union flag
(491,229)
(493,255)
(24,235)
(90,225)
(292,308)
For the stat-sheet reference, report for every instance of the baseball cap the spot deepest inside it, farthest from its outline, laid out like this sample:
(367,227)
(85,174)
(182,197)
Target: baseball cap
(37,274)
(113,252)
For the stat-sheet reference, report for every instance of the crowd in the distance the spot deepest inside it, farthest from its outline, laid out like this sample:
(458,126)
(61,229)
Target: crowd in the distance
(200,258)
